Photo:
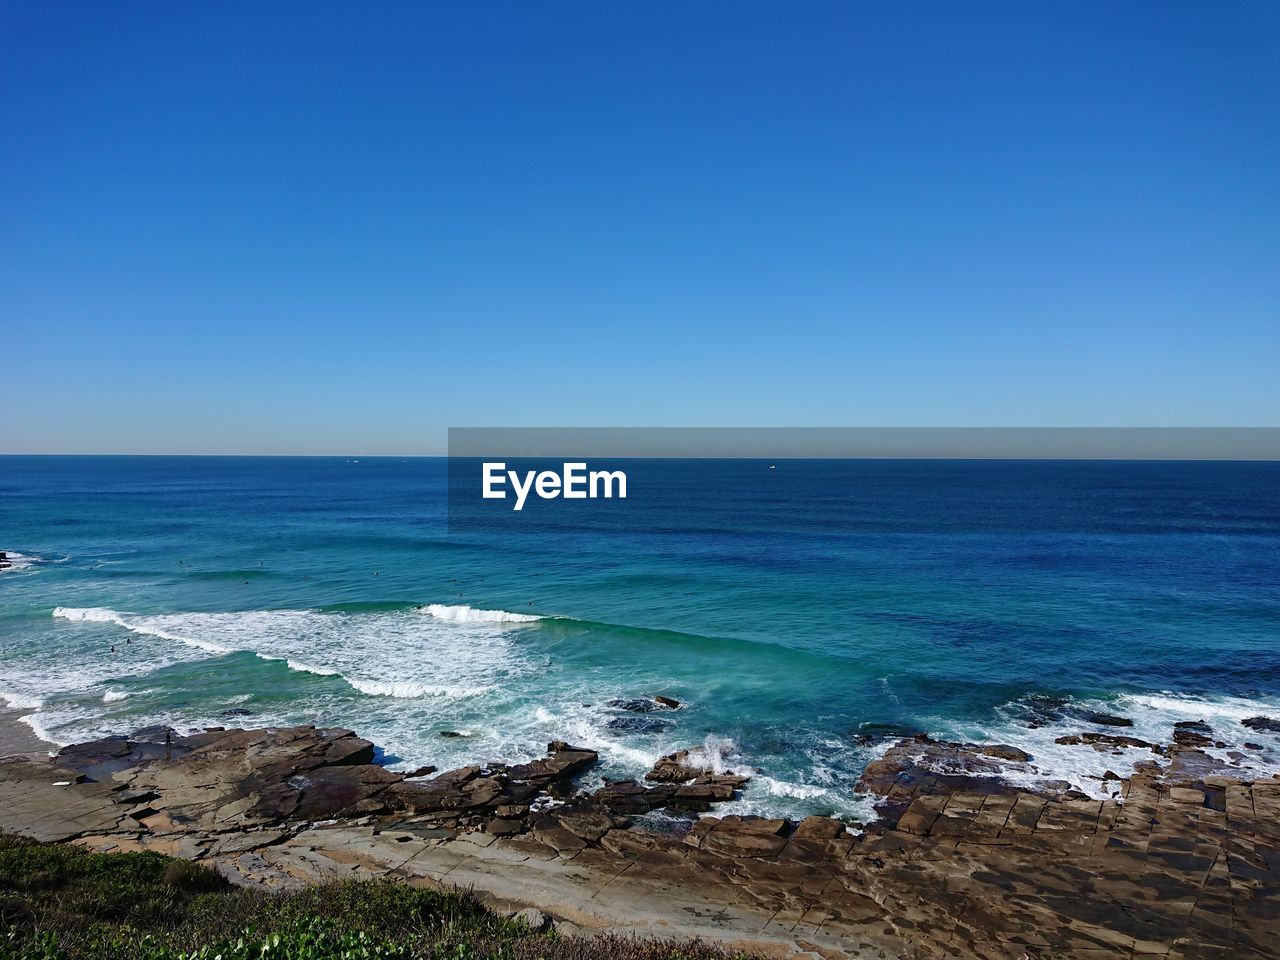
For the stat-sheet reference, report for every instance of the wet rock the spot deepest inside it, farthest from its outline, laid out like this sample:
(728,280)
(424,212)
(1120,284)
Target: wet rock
(474,793)
(638,725)
(1002,751)
(451,734)
(100,759)
(941,766)
(1184,865)
(683,766)
(236,712)
(871,733)
(1103,741)
(561,763)
(1193,733)
(629,797)
(1262,724)
(699,795)
(668,702)
(322,793)
(1105,719)
(674,768)
(276,774)
(1036,711)
(635,705)
(1191,765)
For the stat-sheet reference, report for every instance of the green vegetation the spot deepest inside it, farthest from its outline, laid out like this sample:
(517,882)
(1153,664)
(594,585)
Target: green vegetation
(65,903)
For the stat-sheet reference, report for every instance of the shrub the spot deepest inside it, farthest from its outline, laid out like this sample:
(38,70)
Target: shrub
(65,903)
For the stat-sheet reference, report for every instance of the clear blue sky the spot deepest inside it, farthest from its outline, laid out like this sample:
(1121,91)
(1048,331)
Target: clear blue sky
(316,227)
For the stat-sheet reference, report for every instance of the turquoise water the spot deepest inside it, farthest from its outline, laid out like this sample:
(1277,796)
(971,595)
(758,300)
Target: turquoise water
(791,610)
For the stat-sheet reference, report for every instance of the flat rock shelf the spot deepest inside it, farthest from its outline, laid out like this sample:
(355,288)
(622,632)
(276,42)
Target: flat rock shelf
(1183,861)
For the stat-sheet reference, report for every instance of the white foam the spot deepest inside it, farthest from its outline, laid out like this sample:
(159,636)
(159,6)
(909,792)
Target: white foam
(785,788)
(769,796)
(147,626)
(63,666)
(395,654)
(462,613)
(711,756)
(585,727)
(1189,707)
(36,724)
(409,690)
(17,561)
(86,614)
(1153,717)
(306,667)
(299,665)
(114,696)
(20,701)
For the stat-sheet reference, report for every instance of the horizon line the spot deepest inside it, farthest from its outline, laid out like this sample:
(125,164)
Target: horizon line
(1064,458)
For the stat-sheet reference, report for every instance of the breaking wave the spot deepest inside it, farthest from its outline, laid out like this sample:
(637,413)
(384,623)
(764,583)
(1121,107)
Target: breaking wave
(19,701)
(411,691)
(147,626)
(14,562)
(455,653)
(462,613)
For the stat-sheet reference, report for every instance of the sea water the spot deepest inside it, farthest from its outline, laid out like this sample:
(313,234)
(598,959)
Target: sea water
(797,610)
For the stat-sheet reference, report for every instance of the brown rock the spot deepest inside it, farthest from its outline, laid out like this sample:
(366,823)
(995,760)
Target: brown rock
(1262,724)
(683,766)
(674,768)
(328,792)
(1003,752)
(629,797)
(818,828)
(1185,865)
(503,827)
(1101,741)
(939,766)
(745,837)
(588,825)
(561,763)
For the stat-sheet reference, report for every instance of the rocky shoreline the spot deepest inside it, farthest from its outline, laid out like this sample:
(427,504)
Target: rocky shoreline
(1182,860)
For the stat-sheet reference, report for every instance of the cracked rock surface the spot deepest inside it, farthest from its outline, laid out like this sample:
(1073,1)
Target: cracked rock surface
(1182,862)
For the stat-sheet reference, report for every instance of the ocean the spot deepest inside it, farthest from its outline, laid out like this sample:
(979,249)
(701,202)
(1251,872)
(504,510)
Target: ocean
(800,611)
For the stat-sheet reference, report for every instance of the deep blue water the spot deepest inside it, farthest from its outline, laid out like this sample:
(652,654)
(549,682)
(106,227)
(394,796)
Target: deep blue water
(788,607)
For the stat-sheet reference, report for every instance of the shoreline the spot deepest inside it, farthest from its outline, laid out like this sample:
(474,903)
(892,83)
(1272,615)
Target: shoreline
(959,863)
(17,737)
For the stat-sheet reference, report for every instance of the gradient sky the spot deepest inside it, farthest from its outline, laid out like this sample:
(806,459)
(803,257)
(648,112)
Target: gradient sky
(341,228)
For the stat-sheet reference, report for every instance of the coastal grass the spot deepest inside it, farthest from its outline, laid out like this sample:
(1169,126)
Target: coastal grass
(66,903)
